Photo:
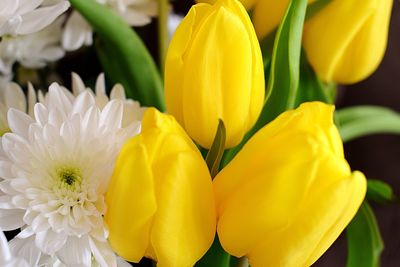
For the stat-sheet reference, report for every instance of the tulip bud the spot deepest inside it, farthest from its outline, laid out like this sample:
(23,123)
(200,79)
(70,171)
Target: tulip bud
(346,40)
(289,192)
(160,201)
(214,70)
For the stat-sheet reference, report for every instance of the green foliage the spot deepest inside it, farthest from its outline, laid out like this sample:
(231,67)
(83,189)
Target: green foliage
(216,151)
(379,191)
(311,88)
(355,122)
(123,55)
(364,240)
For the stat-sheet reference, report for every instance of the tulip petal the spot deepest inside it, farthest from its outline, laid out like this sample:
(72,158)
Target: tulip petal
(213,58)
(270,185)
(131,202)
(184,226)
(176,208)
(321,221)
(207,79)
(265,22)
(184,192)
(174,60)
(268,15)
(339,39)
(289,192)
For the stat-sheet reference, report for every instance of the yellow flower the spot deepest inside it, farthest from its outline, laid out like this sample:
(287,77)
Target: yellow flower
(214,70)
(346,41)
(160,199)
(268,14)
(289,192)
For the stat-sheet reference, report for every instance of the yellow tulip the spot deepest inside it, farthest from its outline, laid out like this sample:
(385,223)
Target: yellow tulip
(268,15)
(289,192)
(346,41)
(214,70)
(160,199)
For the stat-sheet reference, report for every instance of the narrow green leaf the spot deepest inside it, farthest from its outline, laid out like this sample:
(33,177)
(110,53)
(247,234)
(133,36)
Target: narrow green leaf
(284,70)
(126,59)
(354,122)
(285,64)
(379,191)
(216,151)
(364,241)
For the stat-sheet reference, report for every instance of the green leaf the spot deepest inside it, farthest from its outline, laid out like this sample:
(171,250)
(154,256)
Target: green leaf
(216,151)
(284,70)
(354,122)
(379,191)
(124,56)
(364,241)
(311,88)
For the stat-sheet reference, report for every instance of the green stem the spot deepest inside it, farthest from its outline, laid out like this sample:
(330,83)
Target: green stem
(163,12)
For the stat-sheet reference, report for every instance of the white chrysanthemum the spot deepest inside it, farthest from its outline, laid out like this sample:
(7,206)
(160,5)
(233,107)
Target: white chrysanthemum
(32,50)
(78,32)
(7,259)
(28,16)
(132,109)
(56,168)
(12,96)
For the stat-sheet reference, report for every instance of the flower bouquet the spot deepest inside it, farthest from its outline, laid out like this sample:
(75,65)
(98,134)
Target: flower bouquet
(234,158)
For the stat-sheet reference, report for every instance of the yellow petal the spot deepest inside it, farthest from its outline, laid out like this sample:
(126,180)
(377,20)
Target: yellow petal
(268,14)
(185,224)
(339,39)
(214,71)
(324,216)
(280,183)
(175,59)
(131,202)
(184,193)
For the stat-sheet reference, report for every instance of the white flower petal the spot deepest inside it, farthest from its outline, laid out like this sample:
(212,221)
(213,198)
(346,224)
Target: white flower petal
(26,249)
(100,85)
(112,113)
(11,219)
(77,84)
(19,122)
(103,253)
(76,33)
(5,252)
(75,252)
(118,92)
(14,97)
(40,18)
(50,242)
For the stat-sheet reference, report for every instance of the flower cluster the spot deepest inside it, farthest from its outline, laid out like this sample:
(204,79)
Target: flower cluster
(53,179)
(35,33)
(237,159)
